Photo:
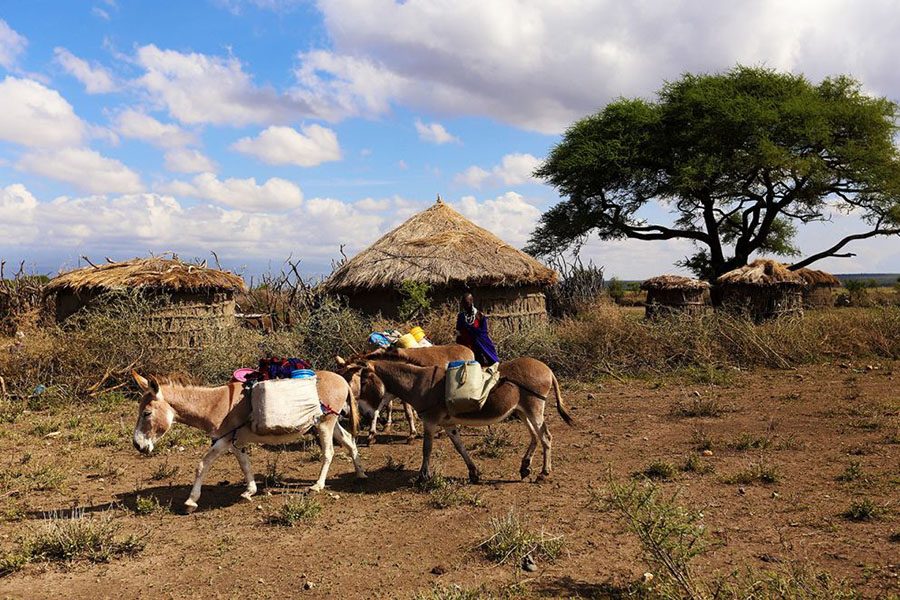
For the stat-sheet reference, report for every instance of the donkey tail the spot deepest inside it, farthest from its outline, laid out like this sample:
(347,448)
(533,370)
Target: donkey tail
(354,412)
(560,405)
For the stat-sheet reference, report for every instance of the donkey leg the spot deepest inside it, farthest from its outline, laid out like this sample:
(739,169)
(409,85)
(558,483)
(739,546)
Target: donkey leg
(326,433)
(453,434)
(425,472)
(547,442)
(190,505)
(411,419)
(389,401)
(385,401)
(344,438)
(244,460)
(525,468)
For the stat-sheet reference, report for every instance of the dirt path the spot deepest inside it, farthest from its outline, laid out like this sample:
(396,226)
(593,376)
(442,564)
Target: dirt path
(384,539)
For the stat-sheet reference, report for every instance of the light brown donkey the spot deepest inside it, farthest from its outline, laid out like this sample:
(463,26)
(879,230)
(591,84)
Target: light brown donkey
(224,413)
(525,384)
(430,356)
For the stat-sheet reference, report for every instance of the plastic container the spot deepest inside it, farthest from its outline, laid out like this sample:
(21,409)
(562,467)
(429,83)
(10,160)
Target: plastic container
(380,340)
(241,374)
(303,374)
(407,341)
(418,333)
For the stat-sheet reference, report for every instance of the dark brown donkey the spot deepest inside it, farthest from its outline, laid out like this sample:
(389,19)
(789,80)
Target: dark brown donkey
(424,357)
(525,385)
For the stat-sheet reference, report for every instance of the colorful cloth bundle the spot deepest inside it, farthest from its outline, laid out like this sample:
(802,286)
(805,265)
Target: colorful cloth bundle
(280,368)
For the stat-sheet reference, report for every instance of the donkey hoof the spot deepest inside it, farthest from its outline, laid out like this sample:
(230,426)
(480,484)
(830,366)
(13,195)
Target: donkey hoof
(542,478)
(371,439)
(316,488)
(361,476)
(189,507)
(247,496)
(411,439)
(474,477)
(525,472)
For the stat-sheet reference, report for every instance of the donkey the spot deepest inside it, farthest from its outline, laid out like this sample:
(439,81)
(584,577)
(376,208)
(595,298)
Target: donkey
(525,384)
(424,357)
(224,413)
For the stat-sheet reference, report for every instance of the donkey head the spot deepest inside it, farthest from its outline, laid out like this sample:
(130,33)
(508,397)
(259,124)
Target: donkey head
(155,415)
(364,383)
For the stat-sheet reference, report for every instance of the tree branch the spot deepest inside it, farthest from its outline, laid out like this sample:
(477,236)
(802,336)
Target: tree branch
(833,251)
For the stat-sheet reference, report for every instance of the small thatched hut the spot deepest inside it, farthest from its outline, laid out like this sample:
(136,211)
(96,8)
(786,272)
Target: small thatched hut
(193,298)
(669,294)
(817,293)
(764,289)
(442,248)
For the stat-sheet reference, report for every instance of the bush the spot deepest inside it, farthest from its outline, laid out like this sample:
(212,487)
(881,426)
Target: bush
(512,540)
(296,509)
(415,299)
(76,537)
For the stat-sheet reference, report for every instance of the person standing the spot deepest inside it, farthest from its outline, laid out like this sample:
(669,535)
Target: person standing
(472,331)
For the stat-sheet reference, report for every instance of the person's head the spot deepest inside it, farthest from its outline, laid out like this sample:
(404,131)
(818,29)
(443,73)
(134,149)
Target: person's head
(467,302)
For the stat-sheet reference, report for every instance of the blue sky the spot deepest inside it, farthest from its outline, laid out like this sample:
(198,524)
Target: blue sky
(266,128)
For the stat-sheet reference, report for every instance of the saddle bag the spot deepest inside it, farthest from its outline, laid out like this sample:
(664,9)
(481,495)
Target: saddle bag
(284,406)
(463,387)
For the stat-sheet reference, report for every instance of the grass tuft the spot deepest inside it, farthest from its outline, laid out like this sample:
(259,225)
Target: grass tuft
(509,539)
(761,472)
(862,511)
(494,443)
(296,509)
(659,470)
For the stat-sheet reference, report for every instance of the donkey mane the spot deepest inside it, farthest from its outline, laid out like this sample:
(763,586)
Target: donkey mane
(177,378)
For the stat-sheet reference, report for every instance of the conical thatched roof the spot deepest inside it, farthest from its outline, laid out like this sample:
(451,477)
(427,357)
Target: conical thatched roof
(761,272)
(815,278)
(673,282)
(440,247)
(150,273)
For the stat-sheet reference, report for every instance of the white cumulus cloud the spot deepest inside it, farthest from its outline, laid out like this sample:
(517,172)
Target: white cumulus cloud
(274,194)
(32,114)
(139,125)
(83,168)
(278,145)
(196,88)
(188,160)
(434,133)
(509,216)
(12,44)
(541,65)
(514,169)
(95,78)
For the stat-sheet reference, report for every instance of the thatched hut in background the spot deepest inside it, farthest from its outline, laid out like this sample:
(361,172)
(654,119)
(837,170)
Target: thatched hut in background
(764,289)
(188,300)
(442,248)
(670,294)
(817,293)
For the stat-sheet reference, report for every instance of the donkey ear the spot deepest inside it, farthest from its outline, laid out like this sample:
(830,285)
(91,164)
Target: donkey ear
(154,386)
(141,381)
(340,361)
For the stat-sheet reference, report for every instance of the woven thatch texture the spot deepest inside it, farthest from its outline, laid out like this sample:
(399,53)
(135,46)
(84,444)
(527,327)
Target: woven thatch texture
(147,273)
(674,282)
(760,273)
(440,247)
(818,278)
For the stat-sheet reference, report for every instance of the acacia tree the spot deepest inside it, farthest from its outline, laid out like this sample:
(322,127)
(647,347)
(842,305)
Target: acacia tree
(739,158)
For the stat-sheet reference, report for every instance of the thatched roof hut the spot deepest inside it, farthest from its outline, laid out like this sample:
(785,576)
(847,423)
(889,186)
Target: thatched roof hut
(195,298)
(442,248)
(817,291)
(668,294)
(763,289)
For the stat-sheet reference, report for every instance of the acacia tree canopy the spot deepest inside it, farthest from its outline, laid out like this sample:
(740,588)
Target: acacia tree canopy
(740,159)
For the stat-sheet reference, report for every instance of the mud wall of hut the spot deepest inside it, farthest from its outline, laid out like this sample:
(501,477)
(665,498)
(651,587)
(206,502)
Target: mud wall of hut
(509,309)
(184,321)
(818,296)
(661,302)
(760,302)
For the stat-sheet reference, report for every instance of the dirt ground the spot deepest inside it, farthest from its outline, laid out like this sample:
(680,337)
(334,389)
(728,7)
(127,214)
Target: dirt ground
(384,538)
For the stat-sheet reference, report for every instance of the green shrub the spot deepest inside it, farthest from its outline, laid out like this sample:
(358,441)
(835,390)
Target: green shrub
(862,510)
(415,299)
(295,510)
